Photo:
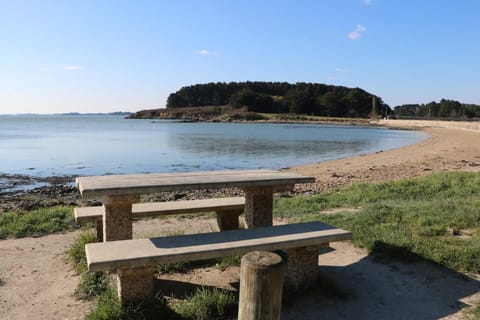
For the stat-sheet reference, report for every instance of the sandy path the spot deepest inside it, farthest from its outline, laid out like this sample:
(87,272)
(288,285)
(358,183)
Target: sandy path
(36,280)
(37,283)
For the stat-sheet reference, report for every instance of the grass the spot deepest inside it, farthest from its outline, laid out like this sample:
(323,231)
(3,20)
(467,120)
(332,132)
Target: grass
(207,304)
(109,308)
(76,252)
(92,284)
(476,312)
(226,262)
(408,219)
(202,305)
(37,222)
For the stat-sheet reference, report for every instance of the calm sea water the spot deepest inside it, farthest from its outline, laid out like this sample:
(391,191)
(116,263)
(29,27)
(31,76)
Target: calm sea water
(94,145)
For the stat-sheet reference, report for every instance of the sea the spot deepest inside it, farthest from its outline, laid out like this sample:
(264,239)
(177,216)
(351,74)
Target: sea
(81,145)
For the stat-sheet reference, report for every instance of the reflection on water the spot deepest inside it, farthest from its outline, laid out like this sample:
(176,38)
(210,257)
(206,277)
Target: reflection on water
(88,145)
(264,148)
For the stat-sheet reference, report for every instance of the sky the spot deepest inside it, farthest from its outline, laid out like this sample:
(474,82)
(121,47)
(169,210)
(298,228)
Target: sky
(114,55)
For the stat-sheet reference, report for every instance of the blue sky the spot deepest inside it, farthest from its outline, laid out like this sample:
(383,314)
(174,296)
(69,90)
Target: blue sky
(110,55)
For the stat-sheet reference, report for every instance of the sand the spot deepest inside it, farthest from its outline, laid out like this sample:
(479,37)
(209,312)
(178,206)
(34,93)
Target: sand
(36,281)
(445,150)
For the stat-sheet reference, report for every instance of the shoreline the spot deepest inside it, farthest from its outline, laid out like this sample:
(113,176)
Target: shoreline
(446,149)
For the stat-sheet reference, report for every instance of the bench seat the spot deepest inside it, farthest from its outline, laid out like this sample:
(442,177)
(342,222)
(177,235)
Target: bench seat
(227,209)
(135,260)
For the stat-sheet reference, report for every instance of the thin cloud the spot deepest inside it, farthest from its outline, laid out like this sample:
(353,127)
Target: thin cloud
(43,69)
(357,33)
(205,52)
(341,70)
(73,68)
(368,2)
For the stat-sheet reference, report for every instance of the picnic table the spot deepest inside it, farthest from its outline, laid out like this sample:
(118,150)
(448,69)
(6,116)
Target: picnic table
(119,192)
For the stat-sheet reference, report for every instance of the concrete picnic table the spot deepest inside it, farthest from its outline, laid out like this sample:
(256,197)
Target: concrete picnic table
(119,192)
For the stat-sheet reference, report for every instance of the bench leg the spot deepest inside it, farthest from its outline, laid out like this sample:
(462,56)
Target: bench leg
(135,284)
(228,219)
(302,267)
(258,206)
(117,216)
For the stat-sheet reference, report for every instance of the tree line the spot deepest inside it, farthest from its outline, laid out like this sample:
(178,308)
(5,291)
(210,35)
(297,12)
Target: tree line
(282,97)
(443,109)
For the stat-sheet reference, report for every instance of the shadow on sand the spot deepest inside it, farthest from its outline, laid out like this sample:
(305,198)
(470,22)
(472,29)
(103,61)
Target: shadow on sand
(386,289)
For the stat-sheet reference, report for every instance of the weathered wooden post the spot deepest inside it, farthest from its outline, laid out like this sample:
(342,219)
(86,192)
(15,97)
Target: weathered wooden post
(261,283)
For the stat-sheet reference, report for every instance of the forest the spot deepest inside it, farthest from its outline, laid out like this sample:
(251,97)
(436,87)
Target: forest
(444,109)
(282,97)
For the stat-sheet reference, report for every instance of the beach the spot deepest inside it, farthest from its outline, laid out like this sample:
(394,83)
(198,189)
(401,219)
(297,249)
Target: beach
(37,281)
(446,149)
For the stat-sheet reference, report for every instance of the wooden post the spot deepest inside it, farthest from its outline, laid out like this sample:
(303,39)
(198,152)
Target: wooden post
(261,284)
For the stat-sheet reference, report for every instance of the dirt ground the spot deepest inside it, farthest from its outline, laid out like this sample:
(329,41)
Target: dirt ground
(36,281)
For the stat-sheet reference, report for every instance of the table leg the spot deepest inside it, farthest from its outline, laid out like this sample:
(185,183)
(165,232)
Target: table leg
(117,216)
(134,285)
(258,206)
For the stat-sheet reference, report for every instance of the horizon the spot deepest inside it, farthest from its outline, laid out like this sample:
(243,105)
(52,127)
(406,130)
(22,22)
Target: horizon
(102,57)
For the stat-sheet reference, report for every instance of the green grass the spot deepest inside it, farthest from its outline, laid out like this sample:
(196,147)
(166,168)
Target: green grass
(476,312)
(37,222)
(204,304)
(407,219)
(92,284)
(109,308)
(207,304)
(76,252)
(225,262)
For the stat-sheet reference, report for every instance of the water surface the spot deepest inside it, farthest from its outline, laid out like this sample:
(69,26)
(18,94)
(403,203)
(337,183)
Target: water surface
(42,145)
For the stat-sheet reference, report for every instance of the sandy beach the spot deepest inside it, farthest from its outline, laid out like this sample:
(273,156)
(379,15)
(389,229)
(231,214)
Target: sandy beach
(37,282)
(446,149)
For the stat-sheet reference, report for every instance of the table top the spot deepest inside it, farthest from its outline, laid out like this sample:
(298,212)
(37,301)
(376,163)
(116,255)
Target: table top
(181,181)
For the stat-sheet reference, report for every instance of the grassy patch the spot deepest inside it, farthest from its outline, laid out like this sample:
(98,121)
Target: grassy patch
(76,252)
(37,222)
(204,304)
(225,262)
(476,312)
(207,304)
(92,284)
(409,219)
(109,308)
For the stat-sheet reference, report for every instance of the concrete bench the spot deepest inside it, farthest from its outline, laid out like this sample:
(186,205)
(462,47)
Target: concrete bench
(134,261)
(227,210)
